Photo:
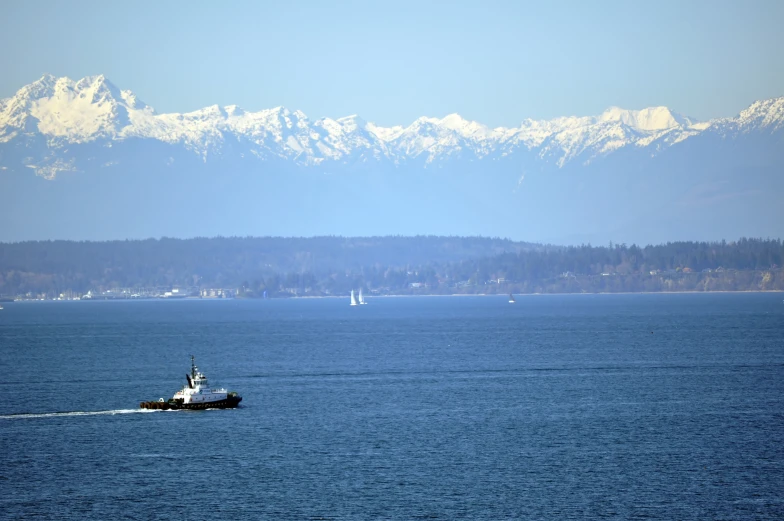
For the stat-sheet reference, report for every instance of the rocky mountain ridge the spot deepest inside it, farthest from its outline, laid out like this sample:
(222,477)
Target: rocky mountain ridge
(51,114)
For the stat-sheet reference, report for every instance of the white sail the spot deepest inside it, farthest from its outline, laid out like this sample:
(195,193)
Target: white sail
(353,300)
(361,298)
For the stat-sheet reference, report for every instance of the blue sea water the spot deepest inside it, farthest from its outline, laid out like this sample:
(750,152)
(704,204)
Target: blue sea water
(556,407)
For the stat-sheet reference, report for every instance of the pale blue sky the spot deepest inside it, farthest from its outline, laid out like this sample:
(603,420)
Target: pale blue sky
(391,62)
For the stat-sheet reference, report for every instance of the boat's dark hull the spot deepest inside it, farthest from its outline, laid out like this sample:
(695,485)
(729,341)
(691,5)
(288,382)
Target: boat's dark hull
(229,403)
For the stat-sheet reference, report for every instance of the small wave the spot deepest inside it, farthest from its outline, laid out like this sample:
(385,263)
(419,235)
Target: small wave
(21,416)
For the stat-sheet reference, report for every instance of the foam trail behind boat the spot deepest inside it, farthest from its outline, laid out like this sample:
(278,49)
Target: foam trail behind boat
(22,416)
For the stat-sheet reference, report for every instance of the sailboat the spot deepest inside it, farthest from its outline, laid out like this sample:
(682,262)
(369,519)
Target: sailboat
(511,299)
(353,300)
(361,298)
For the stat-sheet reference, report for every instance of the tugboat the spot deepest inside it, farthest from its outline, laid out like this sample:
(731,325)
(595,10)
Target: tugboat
(197,395)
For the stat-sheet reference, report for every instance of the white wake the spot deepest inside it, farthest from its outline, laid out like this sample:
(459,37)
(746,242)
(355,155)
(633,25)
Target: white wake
(23,416)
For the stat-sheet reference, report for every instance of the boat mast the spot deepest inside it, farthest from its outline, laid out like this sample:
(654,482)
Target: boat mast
(193,367)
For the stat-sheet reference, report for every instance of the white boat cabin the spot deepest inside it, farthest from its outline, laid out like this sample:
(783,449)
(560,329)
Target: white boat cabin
(198,389)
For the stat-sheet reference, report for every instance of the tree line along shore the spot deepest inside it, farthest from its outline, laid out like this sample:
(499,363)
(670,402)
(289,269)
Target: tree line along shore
(272,267)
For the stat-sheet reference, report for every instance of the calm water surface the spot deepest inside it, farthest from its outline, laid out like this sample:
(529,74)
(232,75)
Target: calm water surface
(556,407)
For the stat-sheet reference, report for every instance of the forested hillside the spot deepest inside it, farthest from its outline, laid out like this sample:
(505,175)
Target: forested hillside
(57,266)
(383,265)
(744,265)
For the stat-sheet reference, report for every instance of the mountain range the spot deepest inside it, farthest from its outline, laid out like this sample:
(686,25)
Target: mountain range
(87,160)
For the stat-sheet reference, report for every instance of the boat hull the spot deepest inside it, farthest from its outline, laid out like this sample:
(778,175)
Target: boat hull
(229,403)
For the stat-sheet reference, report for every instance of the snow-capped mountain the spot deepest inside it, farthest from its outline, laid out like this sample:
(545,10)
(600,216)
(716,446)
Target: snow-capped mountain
(92,110)
(67,144)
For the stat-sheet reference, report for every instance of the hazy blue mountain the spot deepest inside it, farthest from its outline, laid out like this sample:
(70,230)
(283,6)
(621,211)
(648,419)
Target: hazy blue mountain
(87,160)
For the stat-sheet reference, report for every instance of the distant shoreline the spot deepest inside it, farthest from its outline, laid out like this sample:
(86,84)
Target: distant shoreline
(532,294)
(371,297)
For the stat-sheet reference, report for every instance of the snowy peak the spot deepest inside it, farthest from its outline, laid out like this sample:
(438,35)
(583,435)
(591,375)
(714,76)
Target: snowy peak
(76,111)
(352,123)
(97,89)
(213,112)
(40,88)
(650,119)
(234,111)
(767,114)
(467,129)
(454,121)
